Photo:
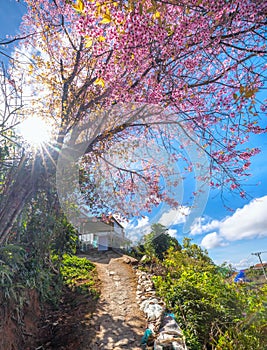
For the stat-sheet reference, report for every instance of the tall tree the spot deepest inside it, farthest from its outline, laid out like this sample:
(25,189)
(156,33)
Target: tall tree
(187,70)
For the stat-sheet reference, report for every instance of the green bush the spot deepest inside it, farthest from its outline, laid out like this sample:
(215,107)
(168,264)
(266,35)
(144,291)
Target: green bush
(78,274)
(213,313)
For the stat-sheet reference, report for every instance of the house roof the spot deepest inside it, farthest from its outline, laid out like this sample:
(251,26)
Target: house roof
(258,266)
(99,225)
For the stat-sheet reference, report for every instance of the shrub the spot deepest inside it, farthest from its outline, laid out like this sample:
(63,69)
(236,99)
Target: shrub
(78,274)
(213,313)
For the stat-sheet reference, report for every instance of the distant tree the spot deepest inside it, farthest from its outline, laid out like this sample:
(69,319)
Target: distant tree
(158,241)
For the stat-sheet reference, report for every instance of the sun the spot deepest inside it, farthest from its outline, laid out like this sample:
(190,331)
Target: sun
(35,131)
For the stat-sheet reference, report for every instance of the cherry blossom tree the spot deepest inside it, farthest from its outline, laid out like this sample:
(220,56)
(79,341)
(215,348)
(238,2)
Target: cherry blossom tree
(205,59)
(189,73)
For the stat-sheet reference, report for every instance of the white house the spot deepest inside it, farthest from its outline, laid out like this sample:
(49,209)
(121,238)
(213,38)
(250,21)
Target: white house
(96,233)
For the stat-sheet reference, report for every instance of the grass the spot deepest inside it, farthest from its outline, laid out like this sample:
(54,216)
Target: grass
(79,274)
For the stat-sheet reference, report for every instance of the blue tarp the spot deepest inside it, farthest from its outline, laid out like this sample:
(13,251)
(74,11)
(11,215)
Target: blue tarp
(240,277)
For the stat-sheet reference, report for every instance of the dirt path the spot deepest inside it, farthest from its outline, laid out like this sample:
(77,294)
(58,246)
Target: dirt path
(117,322)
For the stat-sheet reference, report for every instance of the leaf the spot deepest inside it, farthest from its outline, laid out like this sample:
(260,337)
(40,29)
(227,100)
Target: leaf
(235,96)
(101,38)
(250,93)
(88,41)
(150,9)
(79,6)
(100,81)
(98,9)
(156,15)
(106,19)
(30,69)
(140,8)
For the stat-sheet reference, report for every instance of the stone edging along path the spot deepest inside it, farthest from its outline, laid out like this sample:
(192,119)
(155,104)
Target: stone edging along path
(162,328)
(127,308)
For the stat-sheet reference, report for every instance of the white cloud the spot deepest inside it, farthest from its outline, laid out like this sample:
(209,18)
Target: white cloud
(247,222)
(172,232)
(143,223)
(199,226)
(174,216)
(244,263)
(212,240)
(135,230)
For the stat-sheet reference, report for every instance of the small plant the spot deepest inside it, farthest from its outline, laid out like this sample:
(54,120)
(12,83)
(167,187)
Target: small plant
(78,274)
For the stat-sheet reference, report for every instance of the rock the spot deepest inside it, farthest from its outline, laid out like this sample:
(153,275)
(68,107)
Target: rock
(143,259)
(170,334)
(130,260)
(116,278)
(167,333)
(121,342)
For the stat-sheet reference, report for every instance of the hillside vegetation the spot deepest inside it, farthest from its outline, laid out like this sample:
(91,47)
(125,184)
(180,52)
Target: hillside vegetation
(213,311)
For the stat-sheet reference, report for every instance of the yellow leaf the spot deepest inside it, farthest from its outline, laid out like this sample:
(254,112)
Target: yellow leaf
(106,19)
(156,15)
(98,9)
(79,6)
(88,41)
(30,69)
(101,38)
(100,81)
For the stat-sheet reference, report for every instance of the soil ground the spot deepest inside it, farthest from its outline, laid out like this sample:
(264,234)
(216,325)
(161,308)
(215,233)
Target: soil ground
(113,322)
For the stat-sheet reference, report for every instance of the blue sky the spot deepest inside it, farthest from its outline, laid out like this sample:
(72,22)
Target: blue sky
(10,17)
(228,235)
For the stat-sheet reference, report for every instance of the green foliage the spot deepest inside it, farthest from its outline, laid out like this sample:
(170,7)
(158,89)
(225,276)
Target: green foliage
(214,314)
(20,270)
(45,229)
(78,274)
(249,331)
(65,237)
(156,243)
(12,260)
(226,270)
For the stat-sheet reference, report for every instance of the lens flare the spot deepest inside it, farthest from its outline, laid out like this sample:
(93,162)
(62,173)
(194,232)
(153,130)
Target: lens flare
(35,131)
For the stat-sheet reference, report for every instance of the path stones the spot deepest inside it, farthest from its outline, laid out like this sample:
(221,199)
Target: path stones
(164,328)
(152,306)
